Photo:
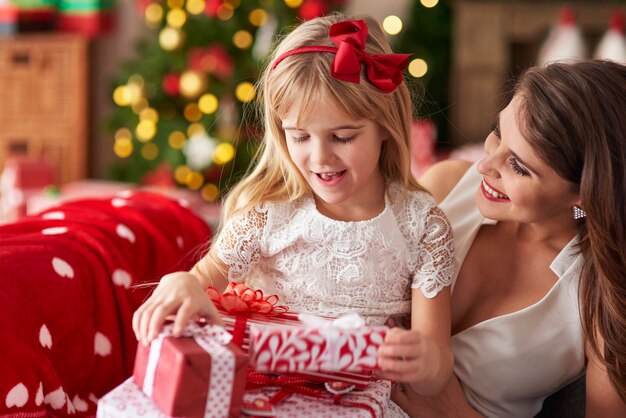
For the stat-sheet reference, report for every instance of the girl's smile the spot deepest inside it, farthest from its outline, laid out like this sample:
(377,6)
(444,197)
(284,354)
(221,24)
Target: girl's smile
(491,193)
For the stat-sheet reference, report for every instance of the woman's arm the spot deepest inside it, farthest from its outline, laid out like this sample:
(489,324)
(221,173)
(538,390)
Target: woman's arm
(449,403)
(601,398)
(441,178)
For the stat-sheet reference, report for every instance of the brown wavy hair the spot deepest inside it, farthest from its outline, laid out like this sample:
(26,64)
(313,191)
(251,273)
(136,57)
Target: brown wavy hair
(574,115)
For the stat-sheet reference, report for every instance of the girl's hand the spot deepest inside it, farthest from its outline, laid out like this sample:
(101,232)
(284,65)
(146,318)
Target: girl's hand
(410,357)
(177,293)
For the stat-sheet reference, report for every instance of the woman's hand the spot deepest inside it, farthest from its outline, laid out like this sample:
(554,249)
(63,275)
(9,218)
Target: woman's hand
(410,357)
(177,293)
(449,403)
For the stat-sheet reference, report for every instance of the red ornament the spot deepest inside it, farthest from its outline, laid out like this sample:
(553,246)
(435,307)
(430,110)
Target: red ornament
(211,6)
(161,176)
(171,84)
(213,60)
(312,9)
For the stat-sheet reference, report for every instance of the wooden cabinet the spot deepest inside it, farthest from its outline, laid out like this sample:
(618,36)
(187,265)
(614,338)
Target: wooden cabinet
(43,101)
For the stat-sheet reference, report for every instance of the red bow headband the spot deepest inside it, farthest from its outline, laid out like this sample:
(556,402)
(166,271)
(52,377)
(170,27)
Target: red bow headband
(383,70)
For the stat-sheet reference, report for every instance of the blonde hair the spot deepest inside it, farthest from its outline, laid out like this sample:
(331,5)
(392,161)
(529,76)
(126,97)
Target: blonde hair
(303,81)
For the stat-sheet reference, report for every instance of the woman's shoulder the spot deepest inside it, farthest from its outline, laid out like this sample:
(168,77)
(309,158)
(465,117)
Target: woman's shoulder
(441,178)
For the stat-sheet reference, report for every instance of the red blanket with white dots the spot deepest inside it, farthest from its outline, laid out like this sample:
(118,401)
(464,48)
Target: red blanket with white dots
(68,288)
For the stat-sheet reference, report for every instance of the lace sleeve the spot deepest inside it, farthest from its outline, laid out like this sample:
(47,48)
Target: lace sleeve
(436,263)
(238,244)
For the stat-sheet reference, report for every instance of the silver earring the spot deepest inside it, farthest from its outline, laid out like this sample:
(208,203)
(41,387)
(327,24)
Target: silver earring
(578,212)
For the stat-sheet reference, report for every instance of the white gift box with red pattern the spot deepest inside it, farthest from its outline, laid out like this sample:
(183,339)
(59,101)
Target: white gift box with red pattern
(345,344)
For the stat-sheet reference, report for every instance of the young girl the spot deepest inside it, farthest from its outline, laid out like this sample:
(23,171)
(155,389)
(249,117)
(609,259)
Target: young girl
(330,218)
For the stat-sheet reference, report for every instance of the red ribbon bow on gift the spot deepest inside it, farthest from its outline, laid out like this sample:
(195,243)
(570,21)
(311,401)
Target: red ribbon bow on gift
(240,299)
(383,70)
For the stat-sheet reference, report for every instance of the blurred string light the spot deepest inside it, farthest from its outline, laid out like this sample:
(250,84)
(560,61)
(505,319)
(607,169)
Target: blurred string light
(195,7)
(176,140)
(150,151)
(208,103)
(225,12)
(153,14)
(294,4)
(429,3)
(224,153)
(245,92)
(195,129)
(176,18)
(210,192)
(181,173)
(149,114)
(192,112)
(192,84)
(257,17)
(392,25)
(242,39)
(170,38)
(123,146)
(175,4)
(145,130)
(418,68)
(194,180)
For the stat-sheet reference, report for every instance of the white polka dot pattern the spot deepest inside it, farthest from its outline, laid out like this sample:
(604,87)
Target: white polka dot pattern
(62,268)
(45,339)
(54,231)
(124,232)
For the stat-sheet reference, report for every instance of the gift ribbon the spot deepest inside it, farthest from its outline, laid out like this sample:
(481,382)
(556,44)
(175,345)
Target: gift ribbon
(243,302)
(213,339)
(289,384)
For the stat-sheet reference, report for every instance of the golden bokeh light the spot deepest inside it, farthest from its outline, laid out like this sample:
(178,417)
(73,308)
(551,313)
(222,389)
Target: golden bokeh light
(208,103)
(418,68)
(192,84)
(139,105)
(233,3)
(225,12)
(181,173)
(195,7)
(294,4)
(145,130)
(149,113)
(122,96)
(175,4)
(392,25)
(170,38)
(195,129)
(192,112)
(149,151)
(429,3)
(123,147)
(224,153)
(257,17)
(194,180)
(176,139)
(245,92)
(210,192)
(242,39)
(123,133)
(176,18)
(154,14)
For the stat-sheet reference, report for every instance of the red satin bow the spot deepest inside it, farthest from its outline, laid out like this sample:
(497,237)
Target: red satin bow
(383,70)
(239,298)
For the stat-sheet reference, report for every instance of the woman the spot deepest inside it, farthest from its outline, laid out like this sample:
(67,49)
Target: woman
(540,233)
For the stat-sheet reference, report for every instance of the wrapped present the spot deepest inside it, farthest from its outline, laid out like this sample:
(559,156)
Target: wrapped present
(289,396)
(241,308)
(128,400)
(199,374)
(345,344)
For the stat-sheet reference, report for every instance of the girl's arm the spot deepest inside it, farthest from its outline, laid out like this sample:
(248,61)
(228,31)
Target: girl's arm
(602,399)
(421,357)
(183,294)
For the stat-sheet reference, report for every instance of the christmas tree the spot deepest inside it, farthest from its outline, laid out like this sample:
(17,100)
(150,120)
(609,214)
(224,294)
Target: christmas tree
(427,34)
(184,109)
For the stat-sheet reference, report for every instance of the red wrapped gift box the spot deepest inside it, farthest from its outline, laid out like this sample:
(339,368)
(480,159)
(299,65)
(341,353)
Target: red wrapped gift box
(242,307)
(201,374)
(343,345)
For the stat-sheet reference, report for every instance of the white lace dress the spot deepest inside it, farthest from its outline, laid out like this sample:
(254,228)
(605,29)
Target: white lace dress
(328,267)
